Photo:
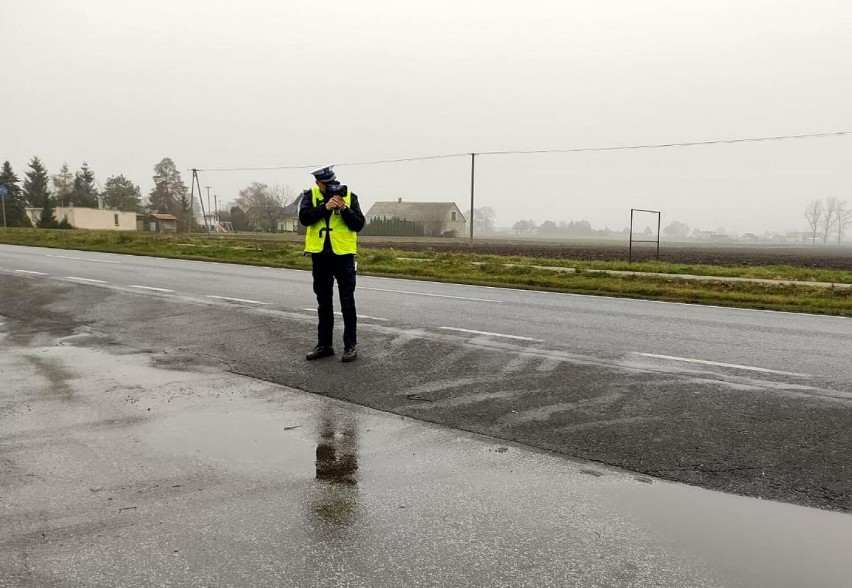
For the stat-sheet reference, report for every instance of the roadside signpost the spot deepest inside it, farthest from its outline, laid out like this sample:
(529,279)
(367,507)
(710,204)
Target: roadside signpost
(4,191)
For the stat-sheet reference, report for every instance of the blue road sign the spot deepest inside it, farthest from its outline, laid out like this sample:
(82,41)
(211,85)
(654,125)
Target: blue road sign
(4,191)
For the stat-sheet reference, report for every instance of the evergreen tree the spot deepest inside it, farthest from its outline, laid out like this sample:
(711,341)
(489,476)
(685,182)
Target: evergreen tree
(48,216)
(36,191)
(84,192)
(122,194)
(63,185)
(185,213)
(238,219)
(168,190)
(16,215)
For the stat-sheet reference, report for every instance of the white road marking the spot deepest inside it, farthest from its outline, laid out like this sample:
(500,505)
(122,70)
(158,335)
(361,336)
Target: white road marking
(152,288)
(237,299)
(31,272)
(84,259)
(85,280)
(518,337)
(432,295)
(363,316)
(721,364)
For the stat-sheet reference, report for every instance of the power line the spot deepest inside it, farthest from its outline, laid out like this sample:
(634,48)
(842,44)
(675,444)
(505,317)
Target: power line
(540,151)
(349,163)
(666,145)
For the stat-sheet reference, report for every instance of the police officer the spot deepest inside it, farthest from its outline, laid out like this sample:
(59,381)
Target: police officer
(333,218)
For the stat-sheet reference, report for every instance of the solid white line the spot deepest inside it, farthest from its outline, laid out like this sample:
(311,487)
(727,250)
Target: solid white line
(720,364)
(490,334)
(152,288)
(433,295)
(85,280)
(83,259)
(363,316)
(237,299)
(31,272)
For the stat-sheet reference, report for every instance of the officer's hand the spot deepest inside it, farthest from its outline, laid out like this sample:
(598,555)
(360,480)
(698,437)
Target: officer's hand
(339,203)
(330,205)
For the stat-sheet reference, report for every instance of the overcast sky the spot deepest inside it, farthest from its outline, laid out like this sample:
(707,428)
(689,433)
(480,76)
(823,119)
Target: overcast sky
(122,84)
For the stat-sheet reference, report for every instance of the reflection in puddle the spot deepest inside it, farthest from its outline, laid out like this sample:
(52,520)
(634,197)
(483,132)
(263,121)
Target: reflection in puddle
(335,498)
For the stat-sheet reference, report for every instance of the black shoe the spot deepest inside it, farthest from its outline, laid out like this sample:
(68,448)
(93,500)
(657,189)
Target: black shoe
(349,354)
(319,352)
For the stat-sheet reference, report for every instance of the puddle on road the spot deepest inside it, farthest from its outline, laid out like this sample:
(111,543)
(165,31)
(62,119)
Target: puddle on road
(236,439)
(761,543)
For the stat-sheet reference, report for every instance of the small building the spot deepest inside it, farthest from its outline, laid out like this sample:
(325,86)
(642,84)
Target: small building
(289,219)
(437,218)
(162,223)
(102,219)
(799,237)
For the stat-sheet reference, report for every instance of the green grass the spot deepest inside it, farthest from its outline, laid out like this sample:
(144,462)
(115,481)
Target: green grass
(489,270)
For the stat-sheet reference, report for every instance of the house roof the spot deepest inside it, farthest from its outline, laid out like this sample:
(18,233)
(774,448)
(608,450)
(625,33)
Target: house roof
(292,209)
(414,211)
(162,216)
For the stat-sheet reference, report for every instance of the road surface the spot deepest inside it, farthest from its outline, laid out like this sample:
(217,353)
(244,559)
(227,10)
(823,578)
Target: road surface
(750,402)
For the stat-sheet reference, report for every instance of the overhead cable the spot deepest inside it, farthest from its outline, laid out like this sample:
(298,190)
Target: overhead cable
(540,151)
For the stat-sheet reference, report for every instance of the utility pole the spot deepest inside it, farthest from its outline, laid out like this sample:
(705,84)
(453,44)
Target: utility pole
(210,220)
(472,181)
(195,183)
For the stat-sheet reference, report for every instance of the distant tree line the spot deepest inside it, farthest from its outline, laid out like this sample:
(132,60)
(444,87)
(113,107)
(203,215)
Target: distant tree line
(582,228)
(80,189)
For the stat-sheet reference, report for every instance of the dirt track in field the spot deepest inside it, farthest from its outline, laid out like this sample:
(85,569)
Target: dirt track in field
(839,258)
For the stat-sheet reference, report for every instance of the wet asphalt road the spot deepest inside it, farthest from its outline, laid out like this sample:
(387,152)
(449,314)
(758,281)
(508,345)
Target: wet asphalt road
(775,428)
(124,467)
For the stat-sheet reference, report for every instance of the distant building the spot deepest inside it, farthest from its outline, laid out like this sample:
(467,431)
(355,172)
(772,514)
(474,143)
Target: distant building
(90,218)
(162,223)
(289,220)
(436,218)
(799,237)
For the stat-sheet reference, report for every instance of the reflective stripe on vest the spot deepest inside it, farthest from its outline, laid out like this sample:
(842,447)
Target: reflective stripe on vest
(343,240)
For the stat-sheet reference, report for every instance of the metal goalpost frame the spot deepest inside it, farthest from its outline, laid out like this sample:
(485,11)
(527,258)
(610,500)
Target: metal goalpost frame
(632,240)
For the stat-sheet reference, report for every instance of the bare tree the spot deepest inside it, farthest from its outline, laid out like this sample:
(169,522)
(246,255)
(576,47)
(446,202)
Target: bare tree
(63,185)
(263,204)
(844,219)
(813,214)
(829,219)
(483,219)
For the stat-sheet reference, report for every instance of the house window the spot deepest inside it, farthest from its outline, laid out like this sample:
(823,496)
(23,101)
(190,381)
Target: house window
(454,215)
(116,219)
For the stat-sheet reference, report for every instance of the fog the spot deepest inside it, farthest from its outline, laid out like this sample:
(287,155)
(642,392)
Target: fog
(219,84)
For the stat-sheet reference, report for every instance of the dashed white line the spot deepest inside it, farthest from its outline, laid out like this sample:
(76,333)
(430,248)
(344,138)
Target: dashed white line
(31,272)
(363,316)
(85,280)
(489,334)
(721,364)
(432,295)
(151,288)
(83,259)
(237,299)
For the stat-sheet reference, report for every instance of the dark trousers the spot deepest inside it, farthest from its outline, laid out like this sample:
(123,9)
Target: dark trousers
(328,267)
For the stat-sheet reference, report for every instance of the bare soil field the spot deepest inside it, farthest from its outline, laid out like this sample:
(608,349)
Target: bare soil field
(823,257)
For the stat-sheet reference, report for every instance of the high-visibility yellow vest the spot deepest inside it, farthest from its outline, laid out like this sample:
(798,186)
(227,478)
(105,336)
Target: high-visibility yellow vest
(343,239)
